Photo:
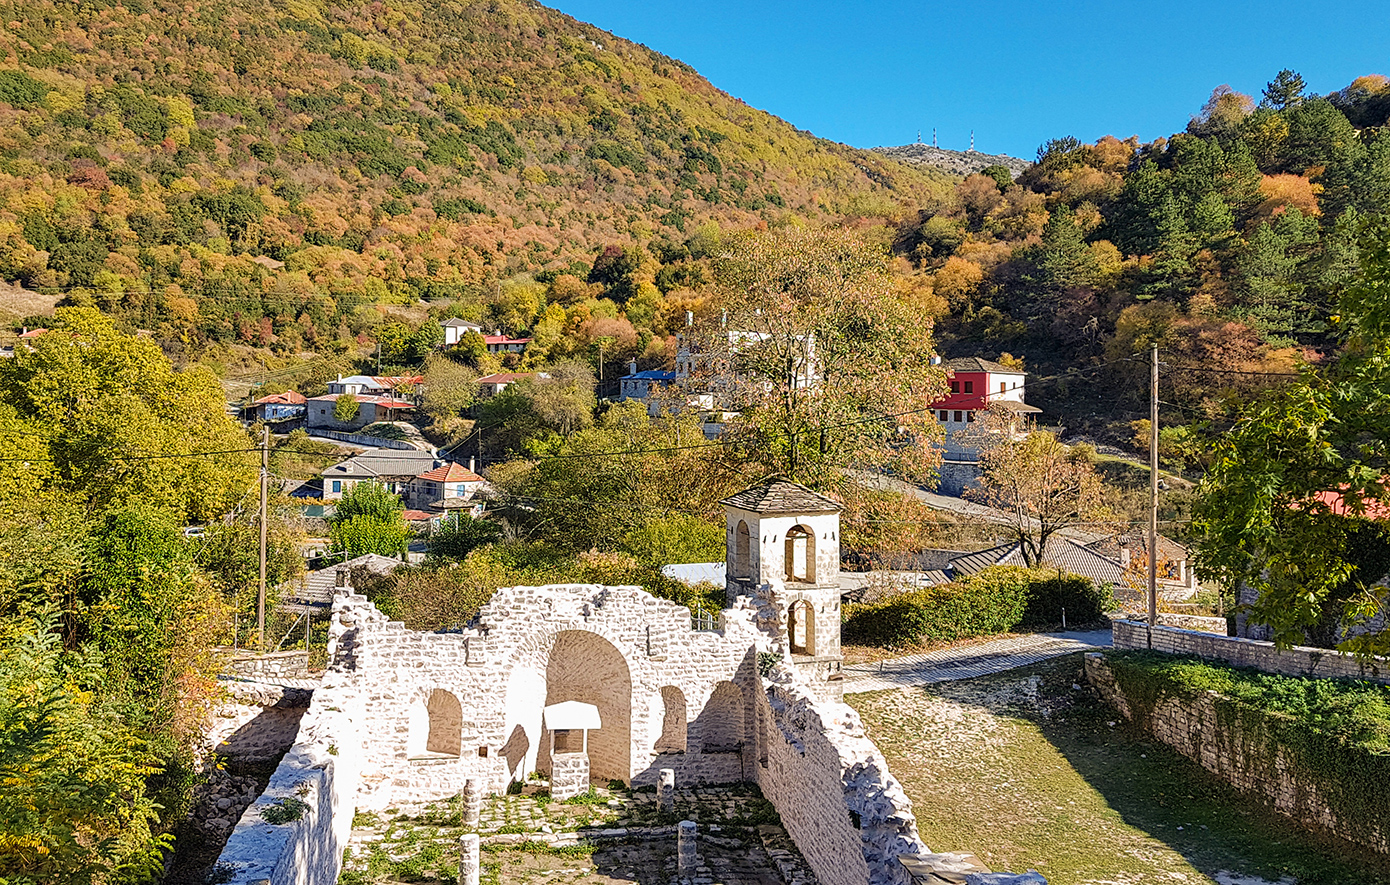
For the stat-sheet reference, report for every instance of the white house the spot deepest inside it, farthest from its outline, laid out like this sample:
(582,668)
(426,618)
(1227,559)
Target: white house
(455,329)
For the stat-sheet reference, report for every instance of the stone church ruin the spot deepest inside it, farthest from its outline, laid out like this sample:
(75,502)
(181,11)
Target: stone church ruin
(587,682)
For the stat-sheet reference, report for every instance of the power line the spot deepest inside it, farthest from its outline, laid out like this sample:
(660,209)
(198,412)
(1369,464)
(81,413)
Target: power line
(1211,371)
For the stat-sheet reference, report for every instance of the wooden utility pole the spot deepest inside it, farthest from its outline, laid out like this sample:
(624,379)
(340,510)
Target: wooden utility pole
(1153,491)
(260,588)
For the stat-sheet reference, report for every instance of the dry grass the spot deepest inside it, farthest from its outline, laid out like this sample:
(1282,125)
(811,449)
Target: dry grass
(17,303)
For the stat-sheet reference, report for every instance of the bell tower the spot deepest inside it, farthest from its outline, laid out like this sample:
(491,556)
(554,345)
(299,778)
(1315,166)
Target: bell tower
(783,543)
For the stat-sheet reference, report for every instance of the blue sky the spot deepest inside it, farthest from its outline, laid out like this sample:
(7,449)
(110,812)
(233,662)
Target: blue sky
(874,73)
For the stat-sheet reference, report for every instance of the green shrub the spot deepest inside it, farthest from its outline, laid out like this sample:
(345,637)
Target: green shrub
(995,600)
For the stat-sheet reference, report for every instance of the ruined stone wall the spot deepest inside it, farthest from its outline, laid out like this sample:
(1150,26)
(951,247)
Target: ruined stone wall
(848,815)
(292,664)
(1248,754)
(256,722)
(1296,661)
(295,831)
(534,646)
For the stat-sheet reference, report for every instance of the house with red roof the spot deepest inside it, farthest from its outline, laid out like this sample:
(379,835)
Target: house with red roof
(491,385)
(505,344)
(978,386)
(444,488)
(275,407)
(370,409)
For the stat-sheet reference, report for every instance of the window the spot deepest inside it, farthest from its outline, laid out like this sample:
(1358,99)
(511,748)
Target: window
(955,387)
(445,723)
(337,486)
(969,416)
(970,387)
(1003,386)
(743,566)
(945,416)
(673,727)
(801,628)
(800,553)
(958,417)
(569,740)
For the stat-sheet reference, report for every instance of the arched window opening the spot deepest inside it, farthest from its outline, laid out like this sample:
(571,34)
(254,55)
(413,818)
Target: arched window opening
(721,722)
(801,628)
(743,566)
(446,723)
(672,738)
(800,548)
(762,737)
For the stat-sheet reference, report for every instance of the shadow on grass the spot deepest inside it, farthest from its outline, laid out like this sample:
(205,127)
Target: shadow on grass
(1179,803)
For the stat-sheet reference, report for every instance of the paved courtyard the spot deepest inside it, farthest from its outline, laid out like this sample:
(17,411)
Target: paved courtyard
(967,662)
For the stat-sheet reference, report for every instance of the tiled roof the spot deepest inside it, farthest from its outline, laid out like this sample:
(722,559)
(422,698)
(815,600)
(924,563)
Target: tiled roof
(975,364)
(451,472)
(397,380)
(1137,540)
(386,401)
(416,515)
(505,339)
(781,496)
(507,377)
(288,398)
(33,333)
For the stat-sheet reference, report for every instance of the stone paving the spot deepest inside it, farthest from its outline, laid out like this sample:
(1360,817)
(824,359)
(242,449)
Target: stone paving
(613,835)
(969,661)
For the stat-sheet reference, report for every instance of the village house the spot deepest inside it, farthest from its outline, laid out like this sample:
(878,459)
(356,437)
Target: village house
(395,469)
(448,487)
(286,406)
(455,329)
(499,343)
(370,410)
(977,386)
(373,385)
(491,385)
(642,385)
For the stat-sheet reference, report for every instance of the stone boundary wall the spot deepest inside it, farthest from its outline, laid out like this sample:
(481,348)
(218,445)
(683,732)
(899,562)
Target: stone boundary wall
(1297,661)
(362,439)
(292,664)
(847,814)
(318,778)
(1196,623)
(1245,753)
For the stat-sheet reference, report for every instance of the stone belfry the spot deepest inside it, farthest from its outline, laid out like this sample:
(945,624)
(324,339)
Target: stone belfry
(783,545)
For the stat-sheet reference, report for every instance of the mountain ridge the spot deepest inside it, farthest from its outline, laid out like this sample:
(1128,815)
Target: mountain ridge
(952,162)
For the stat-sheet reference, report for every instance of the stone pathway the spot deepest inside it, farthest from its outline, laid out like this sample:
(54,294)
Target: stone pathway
(969,661)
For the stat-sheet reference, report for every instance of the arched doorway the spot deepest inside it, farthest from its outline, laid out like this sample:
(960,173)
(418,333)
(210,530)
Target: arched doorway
(673,724)
(585,667)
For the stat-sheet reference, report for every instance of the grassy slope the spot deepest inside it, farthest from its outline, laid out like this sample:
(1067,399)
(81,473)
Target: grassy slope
(1036,776)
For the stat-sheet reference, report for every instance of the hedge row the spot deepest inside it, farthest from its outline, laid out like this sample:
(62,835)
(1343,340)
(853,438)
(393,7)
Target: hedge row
(995,600)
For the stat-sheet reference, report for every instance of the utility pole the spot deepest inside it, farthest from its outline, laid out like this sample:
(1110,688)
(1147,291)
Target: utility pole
(260,588)
(1153,491)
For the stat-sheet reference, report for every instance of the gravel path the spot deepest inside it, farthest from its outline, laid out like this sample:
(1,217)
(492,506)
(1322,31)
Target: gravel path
(969,661)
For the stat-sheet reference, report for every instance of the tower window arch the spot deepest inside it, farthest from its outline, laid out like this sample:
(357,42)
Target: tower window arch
(743,566)
(801,627)
(800,555)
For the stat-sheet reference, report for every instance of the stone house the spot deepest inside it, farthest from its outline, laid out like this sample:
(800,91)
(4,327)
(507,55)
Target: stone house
(394,468)
(286,406)
(370,410)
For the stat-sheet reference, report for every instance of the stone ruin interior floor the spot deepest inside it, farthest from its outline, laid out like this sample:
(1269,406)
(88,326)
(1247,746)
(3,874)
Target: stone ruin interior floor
(613,835)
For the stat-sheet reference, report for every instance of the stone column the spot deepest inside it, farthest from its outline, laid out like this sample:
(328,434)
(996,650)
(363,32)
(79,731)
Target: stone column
(666,790)
(686,861)
(470,863)
(472,804)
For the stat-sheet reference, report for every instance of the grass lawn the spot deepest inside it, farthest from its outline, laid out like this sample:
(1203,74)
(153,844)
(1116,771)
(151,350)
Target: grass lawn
(1028,772)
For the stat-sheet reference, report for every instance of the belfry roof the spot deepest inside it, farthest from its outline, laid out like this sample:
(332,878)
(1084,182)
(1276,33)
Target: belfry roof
(781,496)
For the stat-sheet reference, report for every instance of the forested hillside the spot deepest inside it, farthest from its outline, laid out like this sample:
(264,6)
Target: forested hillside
(1228,243)
(163,160)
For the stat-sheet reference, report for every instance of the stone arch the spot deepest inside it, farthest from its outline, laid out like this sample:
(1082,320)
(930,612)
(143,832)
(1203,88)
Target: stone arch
(584,666)
(743,563)
(721,723)
(673,726)
(800,558)
(801,627)
(445,723)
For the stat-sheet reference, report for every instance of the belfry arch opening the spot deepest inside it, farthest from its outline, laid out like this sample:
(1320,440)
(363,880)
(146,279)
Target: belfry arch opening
(800,555)
(801,627)
(743,565)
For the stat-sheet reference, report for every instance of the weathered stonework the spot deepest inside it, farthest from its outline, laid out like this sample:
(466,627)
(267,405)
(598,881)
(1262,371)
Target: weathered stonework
(1239,751)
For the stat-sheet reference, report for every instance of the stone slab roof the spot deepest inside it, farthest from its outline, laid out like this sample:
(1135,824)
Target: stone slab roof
(1063,553)
(781,496)
(317,587)
(975,364)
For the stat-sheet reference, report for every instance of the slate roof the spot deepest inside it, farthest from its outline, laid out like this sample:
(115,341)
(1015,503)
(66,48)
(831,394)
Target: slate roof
(456,323)
(1065,553)
(781,496)
(975,364)
(383,462)
(1010,405)
(1137,539)
(316,591)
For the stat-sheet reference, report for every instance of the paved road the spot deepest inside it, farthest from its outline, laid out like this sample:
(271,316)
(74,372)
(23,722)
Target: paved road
(969,661)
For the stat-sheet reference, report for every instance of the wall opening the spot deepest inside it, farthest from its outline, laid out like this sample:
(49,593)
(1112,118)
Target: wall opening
(585,667)
(801,627)
(673,728)
(446,723)
(721,722)
(743,566)
(800,555)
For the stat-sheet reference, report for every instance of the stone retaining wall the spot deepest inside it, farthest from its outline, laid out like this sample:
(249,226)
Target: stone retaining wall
(1296,661)
(273,665)
(256,722)
(1246,753)
(847,814)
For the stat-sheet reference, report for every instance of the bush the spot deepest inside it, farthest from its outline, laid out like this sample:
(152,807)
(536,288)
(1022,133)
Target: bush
(995,600)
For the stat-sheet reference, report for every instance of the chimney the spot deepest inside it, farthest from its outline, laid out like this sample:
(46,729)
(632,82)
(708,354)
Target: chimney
(347,467)
(936,359)
(1124,554)
(340,578)
(689,318)
(472,464)
(632,367)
